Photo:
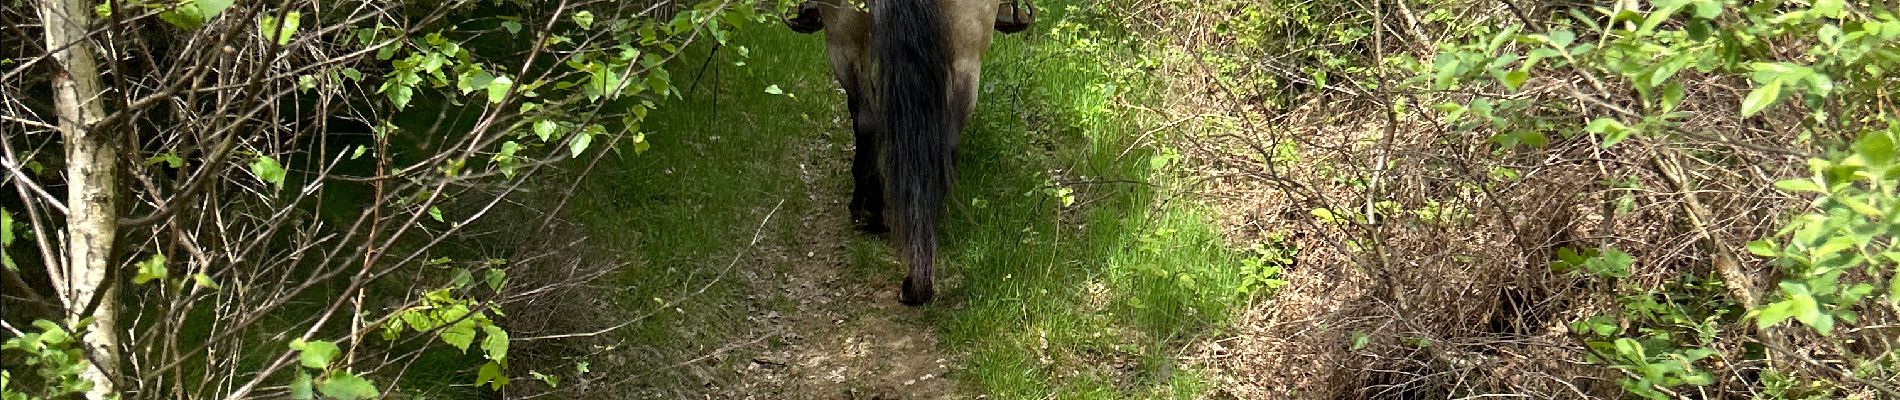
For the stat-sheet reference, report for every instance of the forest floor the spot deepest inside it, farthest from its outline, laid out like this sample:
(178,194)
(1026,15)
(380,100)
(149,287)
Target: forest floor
(1067,270)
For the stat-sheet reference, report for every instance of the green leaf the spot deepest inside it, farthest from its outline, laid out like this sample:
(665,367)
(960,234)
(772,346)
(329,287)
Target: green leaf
(300,389)
(6,239)
(186,18)
(1795,288)
(1324,215)
(1707,9)
(585,19)
(1823,323)
(347,386)
(1562,38)
(1532,139)
(495,343)
(544,129)
(460,335)
(1830,35)
(393,329)
(1610,263)
(1829,8)
(773,89)
(51,333)
(1672,96)
(1893,290)
(1761,98)
(491,374)
(1699,379)
(1667,70)
(512,27)
(1805,309)
(1662,13)
(204,281)
(1700,29)
(400,95)
(152,268)
(496,277)
(579,143)
(269,28)
(1630,348)
(1515,79)
(498,88)
(1853,294)
(359,152)
(6,227)
(1360,340)
(474,79)
(1800,185)
(1601,125)
(1832,246)
(419,320)
(170,158)
(1876,147)
(1763,248)
(1613,131)
(268,170)
(1445,70)
(317,354)
(551,380)
(1603,329)
(1861,207)
(460,278)
(1774,314)
(211,8)
(1616,136)
(292,21)
(435,213)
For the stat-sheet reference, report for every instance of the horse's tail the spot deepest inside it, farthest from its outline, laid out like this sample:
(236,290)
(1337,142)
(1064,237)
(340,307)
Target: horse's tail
(912,80)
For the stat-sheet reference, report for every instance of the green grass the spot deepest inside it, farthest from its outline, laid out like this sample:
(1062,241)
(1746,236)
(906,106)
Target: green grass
(721,160)
(1123,276)
(1038,298)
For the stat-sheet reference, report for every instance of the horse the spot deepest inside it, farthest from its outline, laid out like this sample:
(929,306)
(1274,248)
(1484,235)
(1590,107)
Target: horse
(909,70)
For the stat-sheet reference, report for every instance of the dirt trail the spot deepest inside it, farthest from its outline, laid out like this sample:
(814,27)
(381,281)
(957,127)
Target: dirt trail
(843,334)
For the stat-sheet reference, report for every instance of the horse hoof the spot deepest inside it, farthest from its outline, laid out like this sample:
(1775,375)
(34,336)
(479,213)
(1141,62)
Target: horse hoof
(1013,18)
(867,221)
(806,20)
(916,295)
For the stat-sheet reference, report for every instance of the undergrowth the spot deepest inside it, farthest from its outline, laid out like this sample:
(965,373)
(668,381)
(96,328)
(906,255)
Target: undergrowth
(1552,198)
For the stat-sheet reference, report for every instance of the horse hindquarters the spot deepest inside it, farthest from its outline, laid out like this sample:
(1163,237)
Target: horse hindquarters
(928,54)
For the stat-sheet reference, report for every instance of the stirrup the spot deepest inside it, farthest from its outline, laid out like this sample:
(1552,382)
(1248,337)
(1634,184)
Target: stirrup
(1015,16)
(806,18)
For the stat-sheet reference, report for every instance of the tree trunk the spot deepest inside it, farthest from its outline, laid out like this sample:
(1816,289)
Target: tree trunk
(92,179)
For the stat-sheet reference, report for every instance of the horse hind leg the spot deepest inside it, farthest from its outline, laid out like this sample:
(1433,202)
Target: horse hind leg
(847,37)
(970,35)
(867,194)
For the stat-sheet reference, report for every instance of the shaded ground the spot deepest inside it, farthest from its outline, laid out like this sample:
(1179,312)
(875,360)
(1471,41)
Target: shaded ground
(840,332)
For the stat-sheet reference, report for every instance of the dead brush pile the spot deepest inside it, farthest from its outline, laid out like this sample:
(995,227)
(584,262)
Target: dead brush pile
(1579,229)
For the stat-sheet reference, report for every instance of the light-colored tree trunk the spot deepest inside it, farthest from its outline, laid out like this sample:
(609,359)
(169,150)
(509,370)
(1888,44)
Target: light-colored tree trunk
(92,180)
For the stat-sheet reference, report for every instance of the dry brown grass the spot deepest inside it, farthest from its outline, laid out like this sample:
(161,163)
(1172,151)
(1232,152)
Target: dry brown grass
(1463,306)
